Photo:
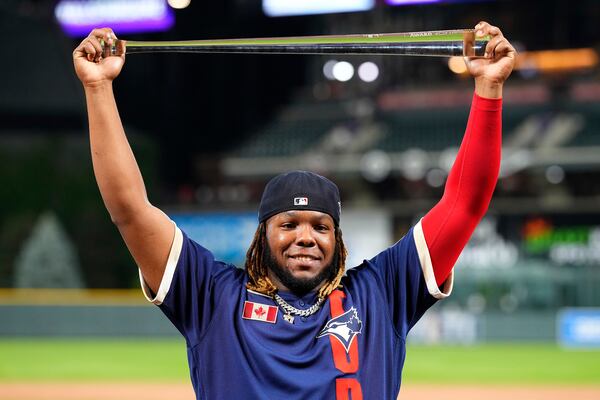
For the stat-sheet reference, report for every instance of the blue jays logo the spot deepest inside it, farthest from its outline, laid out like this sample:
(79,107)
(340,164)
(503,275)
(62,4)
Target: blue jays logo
(344,328)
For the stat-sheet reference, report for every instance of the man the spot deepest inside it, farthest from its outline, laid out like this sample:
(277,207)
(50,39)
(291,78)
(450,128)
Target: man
(292,325)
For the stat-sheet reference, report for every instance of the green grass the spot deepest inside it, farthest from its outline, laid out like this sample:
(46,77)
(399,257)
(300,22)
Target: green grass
(93,360)
(502,364)
(165,360)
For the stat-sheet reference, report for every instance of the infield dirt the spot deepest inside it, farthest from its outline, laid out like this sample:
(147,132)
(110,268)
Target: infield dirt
(183,391)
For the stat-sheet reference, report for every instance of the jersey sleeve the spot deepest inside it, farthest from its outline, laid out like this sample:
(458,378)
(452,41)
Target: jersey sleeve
(188,291)
(405,274)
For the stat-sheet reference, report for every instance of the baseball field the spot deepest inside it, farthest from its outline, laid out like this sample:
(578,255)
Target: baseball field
(157,369)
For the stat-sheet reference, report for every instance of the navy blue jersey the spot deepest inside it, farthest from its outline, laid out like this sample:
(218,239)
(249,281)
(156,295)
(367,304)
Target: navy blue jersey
(240,347)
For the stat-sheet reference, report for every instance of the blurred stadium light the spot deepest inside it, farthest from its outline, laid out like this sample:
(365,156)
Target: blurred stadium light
(179,4)
(548,61)
(343,71)
(78,17)
(368,71)
(280,8)
(558,60)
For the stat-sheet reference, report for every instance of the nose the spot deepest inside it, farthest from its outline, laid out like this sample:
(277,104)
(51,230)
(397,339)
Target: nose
(305,236)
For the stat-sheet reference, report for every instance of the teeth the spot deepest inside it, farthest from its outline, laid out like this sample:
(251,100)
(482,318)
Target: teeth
(303,258)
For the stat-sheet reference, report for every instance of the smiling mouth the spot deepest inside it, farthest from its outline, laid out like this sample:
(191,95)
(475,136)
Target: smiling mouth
(304,258)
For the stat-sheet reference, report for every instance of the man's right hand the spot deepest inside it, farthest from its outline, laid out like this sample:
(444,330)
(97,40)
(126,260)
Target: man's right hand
(91,68)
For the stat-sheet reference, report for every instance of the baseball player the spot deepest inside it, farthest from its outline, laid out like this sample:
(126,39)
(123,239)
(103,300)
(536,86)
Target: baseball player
(293,324)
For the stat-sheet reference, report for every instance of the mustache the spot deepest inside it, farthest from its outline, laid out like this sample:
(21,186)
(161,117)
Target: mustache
(300,286)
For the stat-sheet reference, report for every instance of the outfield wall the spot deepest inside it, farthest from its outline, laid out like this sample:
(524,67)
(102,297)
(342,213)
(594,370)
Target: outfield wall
(51,313)
(47,313)
(75,320)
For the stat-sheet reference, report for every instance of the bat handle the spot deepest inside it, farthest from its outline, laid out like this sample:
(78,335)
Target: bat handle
(116,49)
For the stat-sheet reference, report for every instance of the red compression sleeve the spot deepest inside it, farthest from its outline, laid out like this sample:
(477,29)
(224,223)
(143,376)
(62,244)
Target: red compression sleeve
(451,222)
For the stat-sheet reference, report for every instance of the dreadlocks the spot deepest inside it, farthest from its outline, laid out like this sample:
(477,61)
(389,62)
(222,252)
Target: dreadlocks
(258,279)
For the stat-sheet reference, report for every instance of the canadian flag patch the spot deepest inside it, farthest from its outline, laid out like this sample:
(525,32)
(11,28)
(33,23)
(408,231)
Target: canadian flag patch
(260,312)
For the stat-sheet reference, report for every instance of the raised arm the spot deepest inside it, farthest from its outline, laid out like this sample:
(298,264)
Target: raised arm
(147,231)
(472,179)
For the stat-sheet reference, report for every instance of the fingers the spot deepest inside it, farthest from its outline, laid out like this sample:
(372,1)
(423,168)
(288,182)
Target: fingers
(504,49)
(484,28)
(497,45)
(490,48)
(89,50)
(92,47)
(97,49)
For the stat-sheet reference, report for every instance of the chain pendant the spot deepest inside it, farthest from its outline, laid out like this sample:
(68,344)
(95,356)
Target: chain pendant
(289,318)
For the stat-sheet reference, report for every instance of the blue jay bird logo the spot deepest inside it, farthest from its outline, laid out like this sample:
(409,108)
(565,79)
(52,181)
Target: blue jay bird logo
(344,328)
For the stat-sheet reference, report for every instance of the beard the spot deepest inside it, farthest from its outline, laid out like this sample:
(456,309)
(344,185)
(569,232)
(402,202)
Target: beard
(300,286)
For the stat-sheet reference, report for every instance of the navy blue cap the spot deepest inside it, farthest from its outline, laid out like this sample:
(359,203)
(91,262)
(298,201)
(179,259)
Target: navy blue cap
(300,190)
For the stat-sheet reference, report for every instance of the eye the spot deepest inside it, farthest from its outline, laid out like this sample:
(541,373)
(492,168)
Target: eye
(321,228)
(288,225)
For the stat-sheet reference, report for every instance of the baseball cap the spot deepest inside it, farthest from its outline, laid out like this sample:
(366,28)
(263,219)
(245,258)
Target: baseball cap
(300,190)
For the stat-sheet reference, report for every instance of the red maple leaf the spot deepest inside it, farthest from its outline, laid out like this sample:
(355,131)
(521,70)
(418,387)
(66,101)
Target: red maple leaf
(260,312)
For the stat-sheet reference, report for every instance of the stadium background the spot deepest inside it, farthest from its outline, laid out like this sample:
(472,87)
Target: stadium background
(208,132)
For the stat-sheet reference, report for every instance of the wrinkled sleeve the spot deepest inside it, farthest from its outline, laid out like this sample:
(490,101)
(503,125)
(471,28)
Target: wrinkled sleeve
(187,294)
(405,275)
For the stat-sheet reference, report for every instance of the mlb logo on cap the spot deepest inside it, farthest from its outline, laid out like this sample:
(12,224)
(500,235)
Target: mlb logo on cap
(300,201)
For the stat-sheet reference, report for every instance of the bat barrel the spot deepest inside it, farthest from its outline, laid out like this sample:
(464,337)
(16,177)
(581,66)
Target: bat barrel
(433,49)
(434,43)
